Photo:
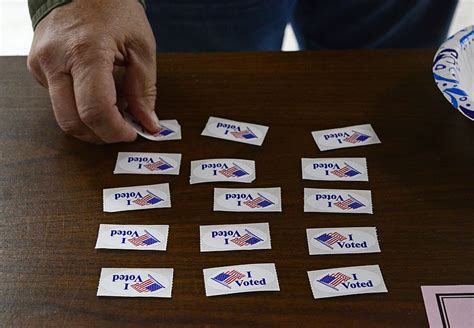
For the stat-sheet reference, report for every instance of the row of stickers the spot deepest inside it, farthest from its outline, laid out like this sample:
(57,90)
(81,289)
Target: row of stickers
(240,199)
(258,277)
(141,282)
(236,237)
(237,170)
(254,134)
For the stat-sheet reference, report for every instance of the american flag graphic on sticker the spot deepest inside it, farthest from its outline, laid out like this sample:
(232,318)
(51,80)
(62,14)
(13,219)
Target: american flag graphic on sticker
(244,134)
(345,171)
(233,171)
(228,277)
(329,239)
(160,165)
(147,286)
(356,137)
(248,239)
(259,202)
(163,131)
(148,199)
(334,279)
(349,204)
(145,239)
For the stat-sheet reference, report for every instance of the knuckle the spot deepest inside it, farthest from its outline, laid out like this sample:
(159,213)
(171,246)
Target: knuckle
(79,48)
(145,104)
(149,46)
(81,52)
(145,91)
(144,47)
(42,56)
(91,115)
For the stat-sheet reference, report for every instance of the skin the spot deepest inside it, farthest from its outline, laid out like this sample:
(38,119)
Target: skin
(94,56)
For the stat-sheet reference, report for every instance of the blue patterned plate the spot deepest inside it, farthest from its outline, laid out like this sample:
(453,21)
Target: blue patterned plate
(453,71)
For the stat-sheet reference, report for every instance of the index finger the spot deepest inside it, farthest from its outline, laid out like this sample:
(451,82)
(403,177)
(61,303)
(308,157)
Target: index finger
(96,99)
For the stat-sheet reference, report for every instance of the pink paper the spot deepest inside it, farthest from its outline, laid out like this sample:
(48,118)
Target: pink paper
(449,306)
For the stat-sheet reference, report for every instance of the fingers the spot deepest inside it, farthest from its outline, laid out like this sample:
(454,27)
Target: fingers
(64,107)
(139,89)
(95,96)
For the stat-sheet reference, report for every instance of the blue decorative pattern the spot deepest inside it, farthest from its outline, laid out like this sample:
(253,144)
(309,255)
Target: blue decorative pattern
(452,72)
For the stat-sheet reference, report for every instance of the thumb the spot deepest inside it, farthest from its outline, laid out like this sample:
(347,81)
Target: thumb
(139,90)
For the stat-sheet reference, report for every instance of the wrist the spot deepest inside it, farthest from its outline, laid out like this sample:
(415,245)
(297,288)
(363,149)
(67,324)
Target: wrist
(39,9)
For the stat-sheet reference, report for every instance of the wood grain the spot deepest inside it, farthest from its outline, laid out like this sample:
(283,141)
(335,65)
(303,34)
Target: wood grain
(421,177)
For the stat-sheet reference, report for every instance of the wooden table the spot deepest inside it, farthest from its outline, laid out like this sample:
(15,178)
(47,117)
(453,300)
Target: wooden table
(421,177)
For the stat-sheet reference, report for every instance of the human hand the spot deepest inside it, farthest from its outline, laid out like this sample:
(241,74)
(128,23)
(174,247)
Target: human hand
(77,50)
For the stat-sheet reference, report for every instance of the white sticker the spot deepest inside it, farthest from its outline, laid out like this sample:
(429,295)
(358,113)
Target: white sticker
(125,282)
(342,240)
(346,281)
(247,200)
(334,169)
(169,129)
(137,198)
(235,237)
(223,170)
(245,278)
(337,201)
(147,163)
(351,136)
(222,128)
(133,237)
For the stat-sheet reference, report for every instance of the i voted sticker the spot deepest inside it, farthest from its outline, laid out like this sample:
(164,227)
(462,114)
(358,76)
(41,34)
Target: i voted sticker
(346,281)
(253,134)
(235,237)
(133,237)
(241,279)
(222,170)
(351,136)
(337,201)
(247,200)
(169,129)
(137,282)
(334,169)
(147,163)
(342,240)
(137,198)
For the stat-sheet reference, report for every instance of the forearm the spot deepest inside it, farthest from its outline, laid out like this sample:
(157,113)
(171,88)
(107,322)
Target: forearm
(40,8)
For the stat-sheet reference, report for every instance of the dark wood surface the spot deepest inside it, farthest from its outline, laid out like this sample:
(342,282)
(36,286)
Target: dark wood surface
(421,177)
